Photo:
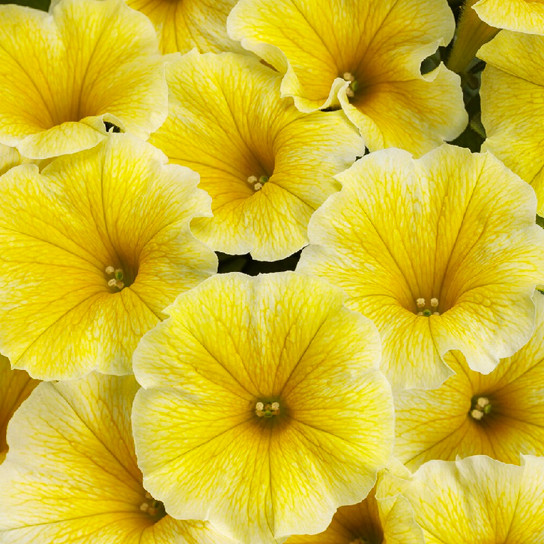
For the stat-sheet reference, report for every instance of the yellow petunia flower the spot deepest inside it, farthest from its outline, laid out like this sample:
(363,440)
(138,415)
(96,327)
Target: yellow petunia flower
(71,474)
(266,166)
(479,500)
(15,386)
(263,409)
(512,96)
(500,414)
(519,15)
(93,248)
(70,76)
(184,24)
(442,253)
(365,56)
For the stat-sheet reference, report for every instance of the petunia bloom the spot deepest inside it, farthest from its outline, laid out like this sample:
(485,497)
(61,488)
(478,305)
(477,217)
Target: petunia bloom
(267,166)
(512,96)
(365,56)
(500,414)
(479,500)
(71,474)
(519,15)
(263,409)
(185,24)
(70,76)
(15,386)
(442,253)
(93,249)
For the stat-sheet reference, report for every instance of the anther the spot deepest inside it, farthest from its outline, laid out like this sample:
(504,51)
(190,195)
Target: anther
(118,276)
(420,303)
(267,409)
(434,302)
(481,406)
(353,85)
(257,182)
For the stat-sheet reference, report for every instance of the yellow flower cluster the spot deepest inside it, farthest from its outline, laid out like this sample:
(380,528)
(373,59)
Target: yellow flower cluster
(258,284)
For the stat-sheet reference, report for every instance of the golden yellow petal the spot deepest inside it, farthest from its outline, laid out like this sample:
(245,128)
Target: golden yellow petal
(185,24)
(15,387)
(519,15)
(480,497)
(512,96)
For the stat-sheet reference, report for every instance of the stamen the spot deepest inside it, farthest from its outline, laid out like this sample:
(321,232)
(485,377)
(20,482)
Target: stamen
(353,84)
(481,406)
(152,507)
(257,182)
(267,409)
(118,276)
(425,310)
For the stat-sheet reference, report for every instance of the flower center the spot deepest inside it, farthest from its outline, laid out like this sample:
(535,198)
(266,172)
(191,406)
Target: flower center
(481,406)
(154,509)
(427,309)
(257,182)
(353,84)
(115,278)
(267,409)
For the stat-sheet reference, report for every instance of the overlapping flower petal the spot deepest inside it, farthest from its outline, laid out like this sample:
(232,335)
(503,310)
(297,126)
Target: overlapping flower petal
(184,24)
(442,253)
(479,500)
(519,15)
(266,166)
(93,249)
(263,409)
(15,386)
(71,475)
(365,56)
(513,104)
(383,517)
(500,414)
(65,74)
